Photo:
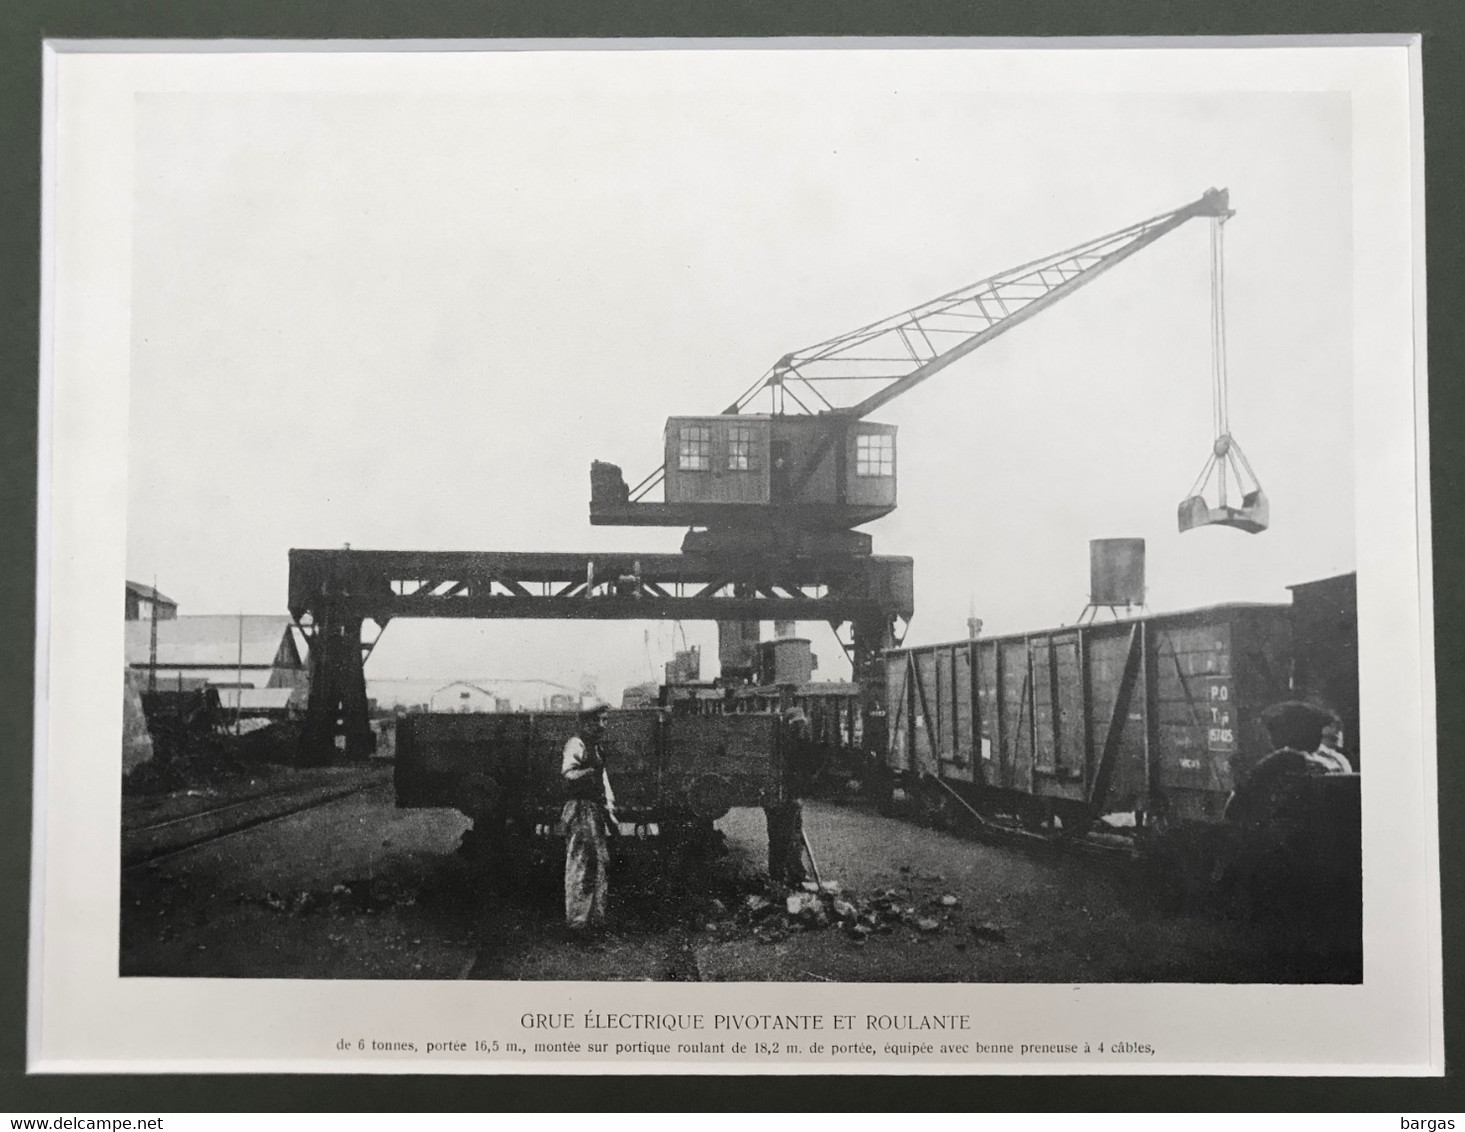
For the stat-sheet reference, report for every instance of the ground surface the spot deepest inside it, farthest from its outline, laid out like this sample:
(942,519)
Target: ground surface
(356,888)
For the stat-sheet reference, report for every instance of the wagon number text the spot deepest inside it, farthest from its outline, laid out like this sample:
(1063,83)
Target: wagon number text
(1221,735)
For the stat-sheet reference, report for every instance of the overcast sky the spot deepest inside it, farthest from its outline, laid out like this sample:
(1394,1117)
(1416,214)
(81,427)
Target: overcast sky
(411,320)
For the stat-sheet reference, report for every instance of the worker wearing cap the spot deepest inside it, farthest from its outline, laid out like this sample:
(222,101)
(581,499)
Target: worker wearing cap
(587,815)
(1297,731)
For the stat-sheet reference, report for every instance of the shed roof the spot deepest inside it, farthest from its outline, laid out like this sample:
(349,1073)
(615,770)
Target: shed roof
(217,641)
(147,593)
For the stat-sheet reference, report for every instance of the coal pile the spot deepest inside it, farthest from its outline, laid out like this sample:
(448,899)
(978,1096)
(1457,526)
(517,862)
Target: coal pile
(780,913)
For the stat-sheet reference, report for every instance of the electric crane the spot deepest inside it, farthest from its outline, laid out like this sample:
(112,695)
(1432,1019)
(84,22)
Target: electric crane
(793,465)
(771,489)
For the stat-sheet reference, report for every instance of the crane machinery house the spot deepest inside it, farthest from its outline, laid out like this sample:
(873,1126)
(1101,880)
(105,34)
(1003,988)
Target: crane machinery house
(821,471)
(731,460)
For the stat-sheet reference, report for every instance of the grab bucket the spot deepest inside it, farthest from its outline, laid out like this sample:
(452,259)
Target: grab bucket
(1253,516)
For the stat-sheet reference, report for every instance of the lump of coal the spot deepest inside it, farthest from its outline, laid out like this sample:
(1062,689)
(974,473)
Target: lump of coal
(802,904)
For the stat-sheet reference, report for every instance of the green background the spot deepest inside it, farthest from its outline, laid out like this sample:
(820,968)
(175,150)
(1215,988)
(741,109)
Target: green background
(24,24)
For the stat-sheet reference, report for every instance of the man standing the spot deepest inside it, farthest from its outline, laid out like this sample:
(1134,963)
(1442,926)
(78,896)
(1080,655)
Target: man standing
(588,812)
(1267,858)
(1329,753)
(786,817)
(1298,732)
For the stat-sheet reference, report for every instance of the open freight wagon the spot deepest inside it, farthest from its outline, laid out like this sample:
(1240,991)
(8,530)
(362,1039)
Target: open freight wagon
(1151,718)
(678,772)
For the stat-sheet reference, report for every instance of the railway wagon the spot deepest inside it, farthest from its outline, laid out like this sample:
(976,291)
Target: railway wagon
(1153,718)
(831,708)
(680,772)
(828,752)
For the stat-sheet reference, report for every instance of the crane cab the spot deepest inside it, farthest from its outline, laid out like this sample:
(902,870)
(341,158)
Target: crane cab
(824,472)
(762,460)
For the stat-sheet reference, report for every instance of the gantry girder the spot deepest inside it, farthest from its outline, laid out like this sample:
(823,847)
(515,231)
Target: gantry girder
(333,592)
(381,585)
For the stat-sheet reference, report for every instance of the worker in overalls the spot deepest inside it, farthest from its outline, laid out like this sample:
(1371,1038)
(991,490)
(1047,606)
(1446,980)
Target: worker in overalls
(786,816)
(588,814)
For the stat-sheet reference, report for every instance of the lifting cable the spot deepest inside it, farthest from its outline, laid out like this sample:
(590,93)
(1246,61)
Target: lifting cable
(1220,393)
(1226,455)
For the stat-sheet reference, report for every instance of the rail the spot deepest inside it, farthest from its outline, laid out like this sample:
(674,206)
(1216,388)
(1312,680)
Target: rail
(146,844)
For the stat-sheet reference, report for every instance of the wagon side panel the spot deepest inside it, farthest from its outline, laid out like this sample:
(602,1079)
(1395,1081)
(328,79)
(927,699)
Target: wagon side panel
(926,720)
(1263,644)
(1042,694)
(988,753)
(897,711)
(460,759)
(1058,714)
(1110,650)
(1072,754)
(1198,725)
(713,762)
(1215,676)
(1017,715)
(965,748)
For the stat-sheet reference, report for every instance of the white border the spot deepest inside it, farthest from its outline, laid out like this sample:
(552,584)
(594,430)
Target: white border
(1412,683)
(44,444)
(1429,734)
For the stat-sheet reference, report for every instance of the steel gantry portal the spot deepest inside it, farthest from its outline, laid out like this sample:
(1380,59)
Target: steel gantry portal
(334,593)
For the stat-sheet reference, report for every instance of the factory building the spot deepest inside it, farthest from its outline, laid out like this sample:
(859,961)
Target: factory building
(142,600)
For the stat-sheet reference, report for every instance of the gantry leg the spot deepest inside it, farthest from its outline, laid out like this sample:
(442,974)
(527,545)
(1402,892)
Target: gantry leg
(871,637)
(337,704)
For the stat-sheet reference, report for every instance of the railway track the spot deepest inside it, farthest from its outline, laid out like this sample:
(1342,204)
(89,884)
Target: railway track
(960,820)
(1174,872)
(146,844)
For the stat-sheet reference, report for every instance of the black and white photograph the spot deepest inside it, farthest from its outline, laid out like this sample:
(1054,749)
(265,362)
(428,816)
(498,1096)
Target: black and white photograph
(512,586)
(765,516)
